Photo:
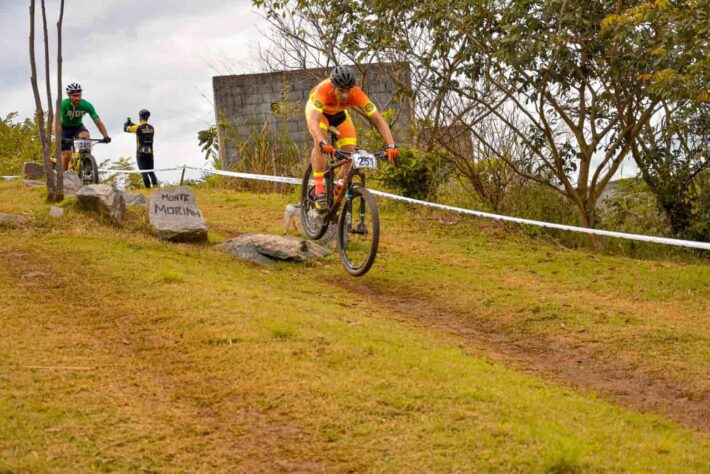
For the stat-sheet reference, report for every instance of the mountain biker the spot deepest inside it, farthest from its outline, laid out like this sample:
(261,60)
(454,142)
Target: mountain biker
(328,106)
(72,111)
(144,143)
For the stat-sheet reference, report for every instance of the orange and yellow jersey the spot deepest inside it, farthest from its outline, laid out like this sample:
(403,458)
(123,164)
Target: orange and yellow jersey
(322,98)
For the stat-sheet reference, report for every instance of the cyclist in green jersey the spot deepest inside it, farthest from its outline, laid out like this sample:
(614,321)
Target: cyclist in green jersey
(71,113)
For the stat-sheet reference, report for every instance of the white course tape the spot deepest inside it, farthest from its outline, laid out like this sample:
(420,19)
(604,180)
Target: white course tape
(257,177)
(141,171)
(549,225)
(487,215)
(9,177)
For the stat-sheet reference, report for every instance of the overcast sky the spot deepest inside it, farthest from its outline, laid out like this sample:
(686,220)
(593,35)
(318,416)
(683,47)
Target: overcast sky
(134,54)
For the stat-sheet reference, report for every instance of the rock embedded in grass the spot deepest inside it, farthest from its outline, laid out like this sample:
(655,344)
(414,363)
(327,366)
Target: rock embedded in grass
(33,183)
(173,215)
(55,211)
(14,219)
(268,249)
(292,218)
(33,171)
(104,199)
(72,183)
(134,199)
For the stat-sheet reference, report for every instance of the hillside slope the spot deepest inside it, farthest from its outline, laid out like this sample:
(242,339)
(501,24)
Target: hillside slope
(462,350)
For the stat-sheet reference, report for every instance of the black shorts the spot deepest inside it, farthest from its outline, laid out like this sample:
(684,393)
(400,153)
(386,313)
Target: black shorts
(335,119)
(71,132)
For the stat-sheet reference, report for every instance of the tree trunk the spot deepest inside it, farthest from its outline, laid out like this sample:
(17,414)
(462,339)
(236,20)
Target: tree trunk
(587,218)
(50,108)
(39,112)
(59,195)
(677,210)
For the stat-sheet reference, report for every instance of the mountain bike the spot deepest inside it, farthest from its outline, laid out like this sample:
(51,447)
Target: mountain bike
(82,161)
(358,231)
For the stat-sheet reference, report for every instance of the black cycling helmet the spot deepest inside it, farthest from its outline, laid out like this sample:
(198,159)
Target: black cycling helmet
(342,77)
(143,114)
(73,88)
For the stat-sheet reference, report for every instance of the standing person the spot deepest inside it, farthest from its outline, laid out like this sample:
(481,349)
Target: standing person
(71,113)
(144,140)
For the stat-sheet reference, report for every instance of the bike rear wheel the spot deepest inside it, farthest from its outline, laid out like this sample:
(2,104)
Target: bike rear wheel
(89,172)
(313,222)
(358,232)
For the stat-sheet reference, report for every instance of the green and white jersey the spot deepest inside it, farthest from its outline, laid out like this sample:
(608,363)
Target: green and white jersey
(72,116)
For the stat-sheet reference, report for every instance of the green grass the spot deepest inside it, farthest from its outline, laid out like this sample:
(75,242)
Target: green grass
(197,362)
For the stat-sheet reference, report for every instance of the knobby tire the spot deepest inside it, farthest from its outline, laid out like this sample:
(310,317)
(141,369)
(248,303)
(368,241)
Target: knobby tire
(352,209)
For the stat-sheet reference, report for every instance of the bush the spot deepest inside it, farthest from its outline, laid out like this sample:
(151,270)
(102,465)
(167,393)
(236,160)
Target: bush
(419,175)
(632,208)
(19,142)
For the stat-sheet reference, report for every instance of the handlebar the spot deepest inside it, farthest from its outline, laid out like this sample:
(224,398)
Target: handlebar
(343,155)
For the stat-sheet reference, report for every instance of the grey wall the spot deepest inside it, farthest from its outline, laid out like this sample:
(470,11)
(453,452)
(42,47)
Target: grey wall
(246,102)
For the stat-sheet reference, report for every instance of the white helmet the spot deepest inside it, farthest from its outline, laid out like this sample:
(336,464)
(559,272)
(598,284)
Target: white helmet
(73,88)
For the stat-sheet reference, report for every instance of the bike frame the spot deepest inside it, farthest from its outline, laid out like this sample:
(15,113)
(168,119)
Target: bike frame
(76,153)
(338,195)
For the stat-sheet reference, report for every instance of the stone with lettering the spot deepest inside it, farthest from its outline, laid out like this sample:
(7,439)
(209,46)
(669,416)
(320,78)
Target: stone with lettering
(104,199)
(268,249)
(55,211)
(134,199)
(173,215)
(72,183)
(14,219)
(33,171)
(292,219)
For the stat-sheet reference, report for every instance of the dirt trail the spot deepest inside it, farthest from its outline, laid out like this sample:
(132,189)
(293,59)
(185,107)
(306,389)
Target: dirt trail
(552,359)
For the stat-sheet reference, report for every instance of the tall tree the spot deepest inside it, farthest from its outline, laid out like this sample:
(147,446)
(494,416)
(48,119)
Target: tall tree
(54,180)
(58,122)
(39,111)
(572,78)
(672,155)
(673,150)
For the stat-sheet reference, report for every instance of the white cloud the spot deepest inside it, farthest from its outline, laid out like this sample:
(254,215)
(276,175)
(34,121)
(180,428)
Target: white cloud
(130,55)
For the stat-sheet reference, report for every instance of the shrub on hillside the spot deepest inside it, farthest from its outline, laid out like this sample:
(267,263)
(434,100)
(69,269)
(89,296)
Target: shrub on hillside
(418,176)
(632,208)
(19,142)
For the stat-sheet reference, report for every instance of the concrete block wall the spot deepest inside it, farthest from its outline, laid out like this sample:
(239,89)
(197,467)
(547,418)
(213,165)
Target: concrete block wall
(245,102)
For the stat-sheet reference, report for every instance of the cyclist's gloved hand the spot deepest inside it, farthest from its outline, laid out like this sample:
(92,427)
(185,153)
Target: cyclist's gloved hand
(128,123)
(107,139)
(391,152)
(327,148)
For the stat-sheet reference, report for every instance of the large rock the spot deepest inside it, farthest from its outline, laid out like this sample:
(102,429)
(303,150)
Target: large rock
(292,218)
(267,249)
(33,183)
(34,171)
(134,199)
(14,219)
(173,215)
(72,183)
(104,199)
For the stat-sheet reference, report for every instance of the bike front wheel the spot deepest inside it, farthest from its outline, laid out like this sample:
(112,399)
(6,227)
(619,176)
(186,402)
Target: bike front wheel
(89,172)
(358,232)
(313,223)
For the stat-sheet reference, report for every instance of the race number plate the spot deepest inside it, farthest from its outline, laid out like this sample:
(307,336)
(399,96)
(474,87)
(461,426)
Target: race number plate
(363,159)
(82,145)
